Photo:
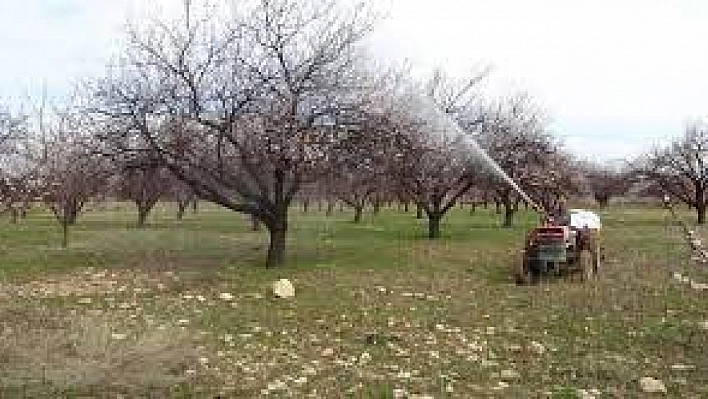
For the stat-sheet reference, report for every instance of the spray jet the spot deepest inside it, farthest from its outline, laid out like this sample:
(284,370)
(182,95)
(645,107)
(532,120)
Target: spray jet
(445,125)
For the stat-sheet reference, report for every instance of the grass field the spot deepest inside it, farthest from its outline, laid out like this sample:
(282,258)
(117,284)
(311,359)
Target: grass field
(182,309)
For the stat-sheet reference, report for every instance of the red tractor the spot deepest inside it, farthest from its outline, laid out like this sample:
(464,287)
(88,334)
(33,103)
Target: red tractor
(561,248)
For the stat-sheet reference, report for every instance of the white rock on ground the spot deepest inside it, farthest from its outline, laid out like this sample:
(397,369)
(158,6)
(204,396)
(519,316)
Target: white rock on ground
(537,348)
(226,296)
(283,288)
(509,374)
(652,385)
(585,394)
(682,367)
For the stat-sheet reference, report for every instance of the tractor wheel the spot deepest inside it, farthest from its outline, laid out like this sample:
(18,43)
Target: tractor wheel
(586,263)
(524,275)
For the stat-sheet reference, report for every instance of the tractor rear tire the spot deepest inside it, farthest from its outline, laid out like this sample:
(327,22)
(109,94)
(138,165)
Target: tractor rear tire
(525,275)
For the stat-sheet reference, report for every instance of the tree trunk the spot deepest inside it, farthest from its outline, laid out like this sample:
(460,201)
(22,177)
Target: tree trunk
(71,212)
(473,207)
(406,207)
(64,233)
(701,210)
(377,207)
(508,213)
(13,216)
(700,202)
(195,206)
(181,208)
(306,205)
(498,204)
(276,249)
(143,212)
(255,224)
(330,208)
(358,211)
(418,212)
(434,225)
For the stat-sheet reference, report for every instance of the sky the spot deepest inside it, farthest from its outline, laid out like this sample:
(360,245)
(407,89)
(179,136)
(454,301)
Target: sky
(615,77)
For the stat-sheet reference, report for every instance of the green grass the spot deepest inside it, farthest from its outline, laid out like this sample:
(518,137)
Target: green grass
(379,309)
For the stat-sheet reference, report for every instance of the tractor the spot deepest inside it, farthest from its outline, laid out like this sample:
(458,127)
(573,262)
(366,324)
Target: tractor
(561,247)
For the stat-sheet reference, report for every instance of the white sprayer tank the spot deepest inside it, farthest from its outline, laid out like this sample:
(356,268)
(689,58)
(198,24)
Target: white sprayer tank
(580,218)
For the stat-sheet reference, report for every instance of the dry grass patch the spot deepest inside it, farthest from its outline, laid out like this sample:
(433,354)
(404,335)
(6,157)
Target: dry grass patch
(80,353)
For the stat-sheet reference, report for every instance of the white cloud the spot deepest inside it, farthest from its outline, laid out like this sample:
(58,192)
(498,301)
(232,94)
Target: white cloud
(624,67)
(632,70)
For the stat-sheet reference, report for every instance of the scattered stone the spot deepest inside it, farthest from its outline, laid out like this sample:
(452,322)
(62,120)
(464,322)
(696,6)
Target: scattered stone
(703,324)
(537,348)
(399,393)
(652,385)
(328,352)
(698,286)
(682,367)
(119,336)
(514,347)
(283,288)
(277,386)
(509,374)
(84,301)
(681,278)
(226,296)
(588,393)
(404,375)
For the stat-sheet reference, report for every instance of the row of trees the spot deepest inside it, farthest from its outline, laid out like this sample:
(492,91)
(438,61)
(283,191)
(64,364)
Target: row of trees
(252,107)
(255,106)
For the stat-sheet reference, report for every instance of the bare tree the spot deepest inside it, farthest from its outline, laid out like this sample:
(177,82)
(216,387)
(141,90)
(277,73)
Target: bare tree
(18,192)
(606,182)
(257,91)
(143,181)
(184,195)
(515,136)
(69,175)
(436,169)
(680,170)
(17,177)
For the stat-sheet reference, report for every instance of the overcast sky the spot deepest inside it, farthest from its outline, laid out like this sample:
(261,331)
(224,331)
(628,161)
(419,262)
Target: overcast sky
(616,76)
